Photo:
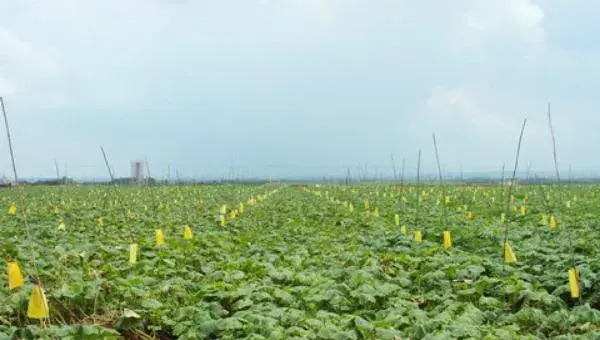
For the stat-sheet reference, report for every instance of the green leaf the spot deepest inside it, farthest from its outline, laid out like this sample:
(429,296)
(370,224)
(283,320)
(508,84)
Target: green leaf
(151,304)
(230,324)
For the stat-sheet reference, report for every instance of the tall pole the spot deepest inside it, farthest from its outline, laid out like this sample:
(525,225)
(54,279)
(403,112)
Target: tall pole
(394,167)
(112,178)
(12,154)
(511,188)
(169,173)
(57,171)
(419,168)
(418,205)
(148,172)
(403,168)
(528,173)
(437,159)
(553,145)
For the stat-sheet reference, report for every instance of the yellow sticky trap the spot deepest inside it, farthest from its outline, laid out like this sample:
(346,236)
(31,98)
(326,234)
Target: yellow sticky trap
(376,213)
(56,210)
(61,226)
(544,219)
(223,209)
(12,210)
(574,282)
(397,219)
(385,195)
(222,220)
(15,277)
(553,222)
(350,208)
(366,205)
(160,237)
(403,230)
(187,233)
(447,200)
(241,207)
(133,253)
(509,254)
(503,217)
(100,222)
(418,236)
(447,240)
(37,307)
(523,210)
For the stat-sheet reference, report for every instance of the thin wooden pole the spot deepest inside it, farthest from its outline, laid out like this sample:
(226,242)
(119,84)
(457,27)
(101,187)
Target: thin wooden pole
(10,147)
(554,153)
(148,172)
(394,167)
(112,178)
(418,203)
(36,278)
(403,169)
(510,190)
(560,197)
(57,170)
(444,218)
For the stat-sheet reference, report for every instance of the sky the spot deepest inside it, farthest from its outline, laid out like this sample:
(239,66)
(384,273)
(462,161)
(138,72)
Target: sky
(297,87)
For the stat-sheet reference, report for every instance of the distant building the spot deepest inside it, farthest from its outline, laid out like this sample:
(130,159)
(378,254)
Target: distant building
(137,170)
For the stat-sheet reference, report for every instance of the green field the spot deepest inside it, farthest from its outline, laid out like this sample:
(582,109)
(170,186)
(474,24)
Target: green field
(297,263)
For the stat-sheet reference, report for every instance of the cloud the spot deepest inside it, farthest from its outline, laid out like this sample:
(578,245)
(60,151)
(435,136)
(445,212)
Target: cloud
(517,19)
(486,31)
(458,109)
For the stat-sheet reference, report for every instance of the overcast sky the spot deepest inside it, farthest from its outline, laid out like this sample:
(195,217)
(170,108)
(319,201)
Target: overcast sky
(297,87)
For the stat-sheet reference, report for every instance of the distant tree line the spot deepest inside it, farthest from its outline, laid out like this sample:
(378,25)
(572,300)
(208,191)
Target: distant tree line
(129,181)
